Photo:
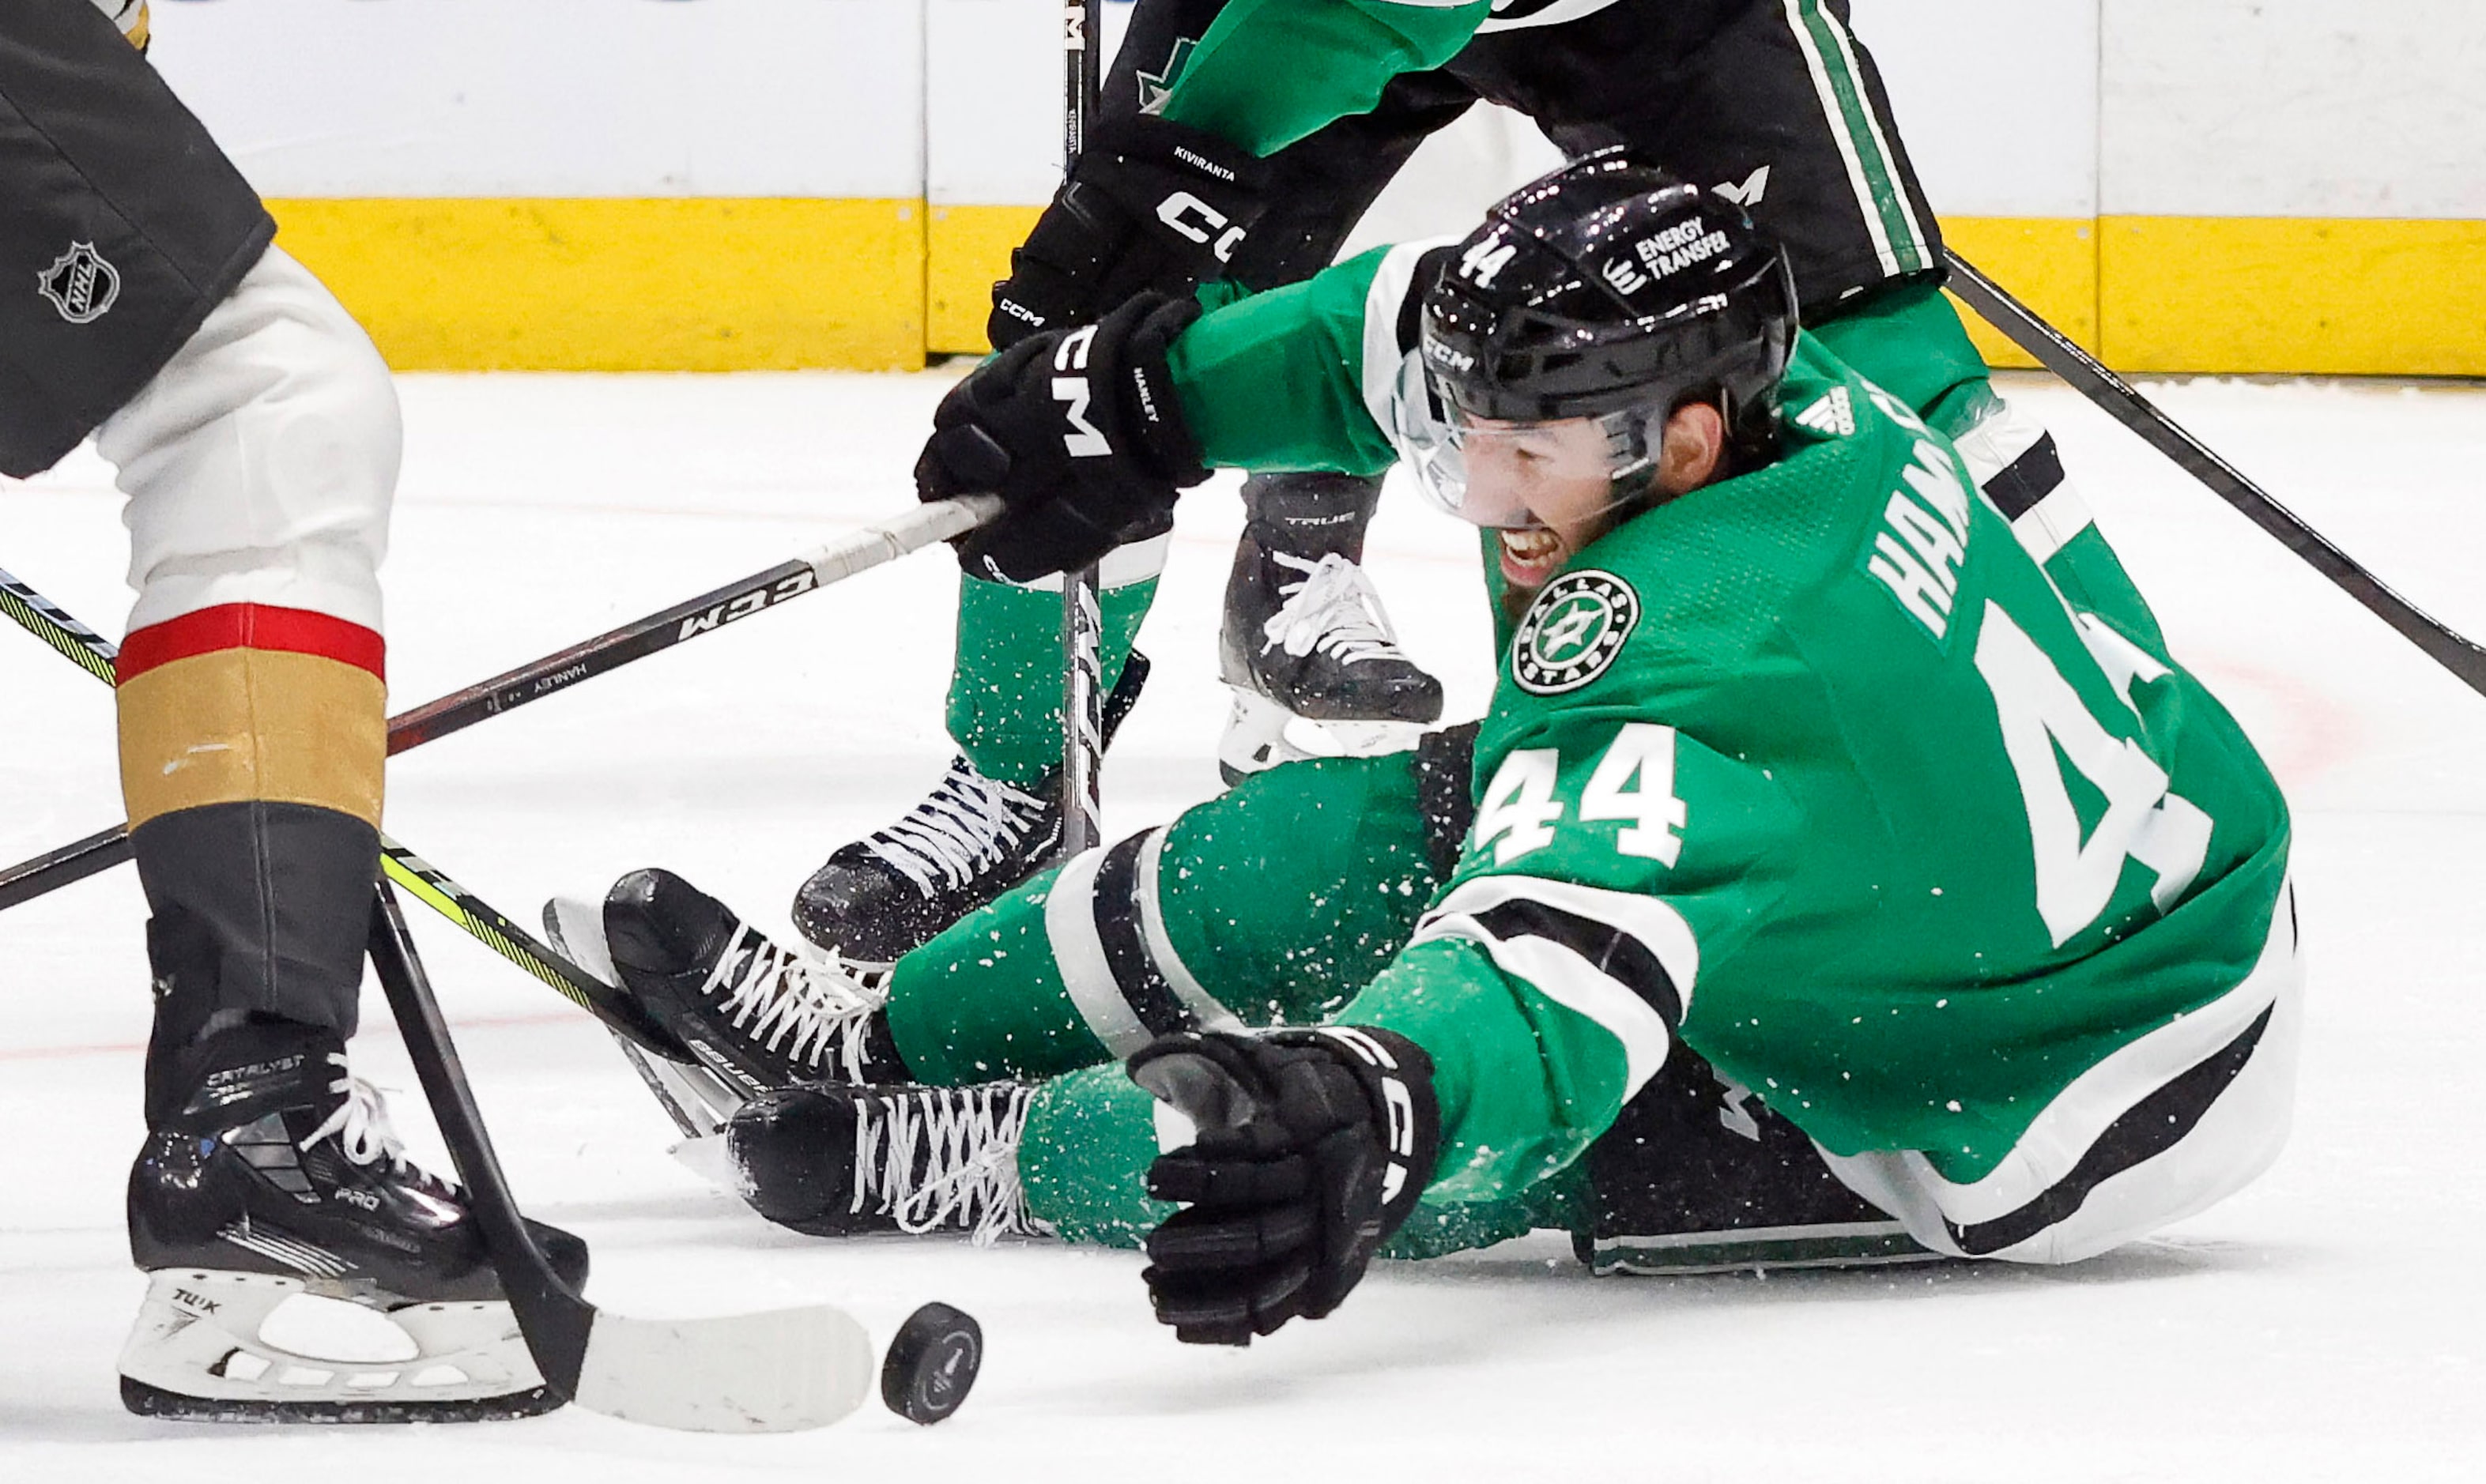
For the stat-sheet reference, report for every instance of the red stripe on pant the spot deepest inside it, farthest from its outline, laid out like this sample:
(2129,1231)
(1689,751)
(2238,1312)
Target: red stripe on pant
(252,626)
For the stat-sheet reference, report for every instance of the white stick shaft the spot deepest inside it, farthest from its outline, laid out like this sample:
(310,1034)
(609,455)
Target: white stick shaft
(885,542)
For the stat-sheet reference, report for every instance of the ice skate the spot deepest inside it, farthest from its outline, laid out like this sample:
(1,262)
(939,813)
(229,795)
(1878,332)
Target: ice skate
(837,1160)
(300,1268)
(757,1014)
(1698,1176)
(696,1098)
(969,840)
(1306,647)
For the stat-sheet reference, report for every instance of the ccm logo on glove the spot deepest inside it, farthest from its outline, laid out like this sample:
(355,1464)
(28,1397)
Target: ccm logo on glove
(1201,222)
(1084,441)
(1395,1097)
(1150,206)
(1077,431)
(1309,1148)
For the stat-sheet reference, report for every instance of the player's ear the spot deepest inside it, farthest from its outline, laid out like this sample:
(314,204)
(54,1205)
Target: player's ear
(1694,451)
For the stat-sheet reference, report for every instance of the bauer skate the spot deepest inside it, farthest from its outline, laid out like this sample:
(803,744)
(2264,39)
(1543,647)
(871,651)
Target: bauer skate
(970,839)
(1305,638)
(275,1214)
(837,1160)
(695,1097)
(758,1015)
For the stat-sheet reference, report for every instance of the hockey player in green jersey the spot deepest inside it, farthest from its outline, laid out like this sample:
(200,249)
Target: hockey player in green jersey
(1237,142)
(1840,875)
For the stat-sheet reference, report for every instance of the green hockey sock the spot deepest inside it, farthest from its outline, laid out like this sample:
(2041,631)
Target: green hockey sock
(985,998)
(1006,686)
(1277,901)
(1084,1156)
(1092,1135)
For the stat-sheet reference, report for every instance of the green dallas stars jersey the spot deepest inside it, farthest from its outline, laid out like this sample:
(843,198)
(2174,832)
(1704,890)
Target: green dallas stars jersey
(1815,769)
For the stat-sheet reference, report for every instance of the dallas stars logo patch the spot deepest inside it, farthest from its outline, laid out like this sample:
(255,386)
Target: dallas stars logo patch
(1154,86)
(1572,632)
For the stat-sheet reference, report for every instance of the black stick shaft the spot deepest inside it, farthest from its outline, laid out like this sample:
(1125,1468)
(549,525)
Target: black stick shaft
(554,1321)
(2091,378)
(687,621)
(56,869)
(1083,687)
(588,659)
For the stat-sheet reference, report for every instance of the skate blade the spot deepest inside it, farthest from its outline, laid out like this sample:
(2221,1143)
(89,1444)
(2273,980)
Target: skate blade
(1830,1245)
(576,927)
(695,1098)
(205,1348)
(147,1401)
(709,1158)
(1260,734)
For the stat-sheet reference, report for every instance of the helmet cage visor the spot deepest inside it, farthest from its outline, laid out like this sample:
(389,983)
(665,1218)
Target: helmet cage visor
(1497,474)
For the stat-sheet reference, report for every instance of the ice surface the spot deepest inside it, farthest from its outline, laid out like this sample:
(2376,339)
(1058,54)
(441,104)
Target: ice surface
(2325,1323)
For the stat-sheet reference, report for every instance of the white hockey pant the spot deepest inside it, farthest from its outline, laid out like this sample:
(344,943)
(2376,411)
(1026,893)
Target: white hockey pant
(2165,1127)
(262,460)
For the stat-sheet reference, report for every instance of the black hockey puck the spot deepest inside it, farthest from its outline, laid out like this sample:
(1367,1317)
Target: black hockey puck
(931,1364)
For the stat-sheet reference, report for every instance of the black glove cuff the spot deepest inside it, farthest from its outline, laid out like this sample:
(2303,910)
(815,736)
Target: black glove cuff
(1149,204)
(1146,327)
(1397,1077)
(1153,142)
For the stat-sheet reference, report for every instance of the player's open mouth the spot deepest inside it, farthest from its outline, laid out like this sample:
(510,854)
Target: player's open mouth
(1529,554)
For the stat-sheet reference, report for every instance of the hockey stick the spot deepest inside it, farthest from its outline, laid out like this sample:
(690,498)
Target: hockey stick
(93,654)
(1083,682)
(868,548)
(2090,377)
(775,1371)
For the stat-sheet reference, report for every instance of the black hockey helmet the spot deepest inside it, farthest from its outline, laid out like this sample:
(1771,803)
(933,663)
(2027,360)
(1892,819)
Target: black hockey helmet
(1610,286)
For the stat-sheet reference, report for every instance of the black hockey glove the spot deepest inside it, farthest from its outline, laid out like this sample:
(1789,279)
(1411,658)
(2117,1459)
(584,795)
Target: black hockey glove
(1078,432)
(1151,205)
(1311,1150)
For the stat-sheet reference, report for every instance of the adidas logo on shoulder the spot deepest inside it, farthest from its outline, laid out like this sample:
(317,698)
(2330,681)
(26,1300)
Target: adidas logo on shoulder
(1834,415)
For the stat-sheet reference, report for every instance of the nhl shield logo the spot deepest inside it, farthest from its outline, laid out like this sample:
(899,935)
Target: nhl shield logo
(80,284)
(1572,632)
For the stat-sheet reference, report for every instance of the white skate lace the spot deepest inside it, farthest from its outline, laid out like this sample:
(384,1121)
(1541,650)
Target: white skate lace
(931,1157)
(966,823)
(1333,608)
(360,1124)
(807,1006)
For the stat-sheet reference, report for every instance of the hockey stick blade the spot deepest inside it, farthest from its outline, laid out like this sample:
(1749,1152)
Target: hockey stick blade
(777,1370)
(2121,401)
(871,547)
